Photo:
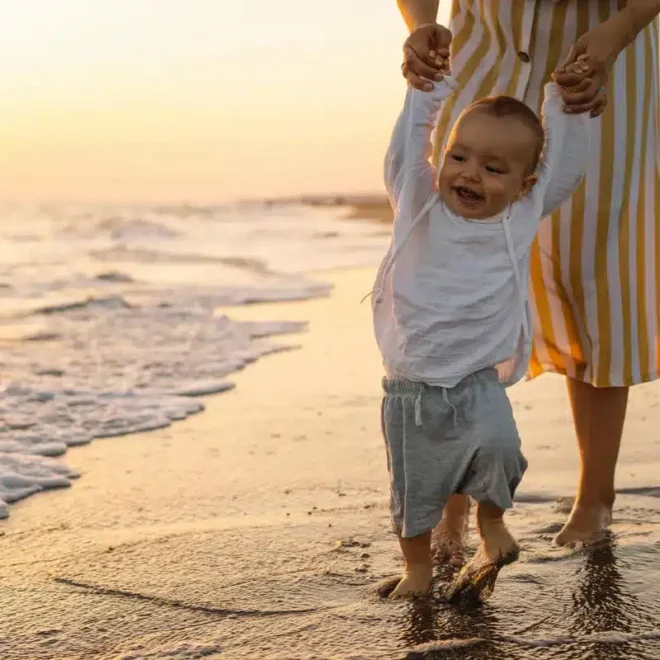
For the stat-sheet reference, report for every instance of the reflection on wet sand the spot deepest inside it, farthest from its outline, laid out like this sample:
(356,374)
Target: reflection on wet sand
(604,608)
(428,622)
(596,603)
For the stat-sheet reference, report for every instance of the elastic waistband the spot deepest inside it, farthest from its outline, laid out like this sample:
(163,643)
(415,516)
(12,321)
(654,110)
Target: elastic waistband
(405,386)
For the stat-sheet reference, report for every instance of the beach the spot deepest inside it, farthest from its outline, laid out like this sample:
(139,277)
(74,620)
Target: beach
(259,529)
(111,316)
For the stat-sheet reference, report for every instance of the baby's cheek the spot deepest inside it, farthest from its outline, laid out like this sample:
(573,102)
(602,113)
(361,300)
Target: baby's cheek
(496,198)
(502,190)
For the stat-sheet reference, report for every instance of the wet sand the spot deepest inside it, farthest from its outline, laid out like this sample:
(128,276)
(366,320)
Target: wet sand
(259,529)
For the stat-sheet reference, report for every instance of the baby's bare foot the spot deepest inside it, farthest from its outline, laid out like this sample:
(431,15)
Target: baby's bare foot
(498,543)
(476,581)
(448,544)
(416,581)
(448,539)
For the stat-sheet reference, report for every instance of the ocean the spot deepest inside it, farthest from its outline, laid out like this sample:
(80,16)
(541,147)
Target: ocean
(116,319)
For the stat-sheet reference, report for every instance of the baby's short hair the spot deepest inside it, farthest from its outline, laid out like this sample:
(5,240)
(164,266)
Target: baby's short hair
(507,106)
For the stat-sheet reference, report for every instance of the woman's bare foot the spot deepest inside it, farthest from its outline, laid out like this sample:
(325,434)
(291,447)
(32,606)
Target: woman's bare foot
(586,524)
(416,581)
(599,414)
(449,537)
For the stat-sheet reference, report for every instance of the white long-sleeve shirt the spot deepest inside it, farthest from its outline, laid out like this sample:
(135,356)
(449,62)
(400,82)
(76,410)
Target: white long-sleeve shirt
(451,295)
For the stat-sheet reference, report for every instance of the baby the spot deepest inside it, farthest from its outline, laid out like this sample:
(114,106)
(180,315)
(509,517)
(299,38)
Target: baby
(451,312)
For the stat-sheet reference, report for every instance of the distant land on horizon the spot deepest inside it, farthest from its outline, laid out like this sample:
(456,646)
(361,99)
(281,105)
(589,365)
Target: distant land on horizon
(321,199)
(363,206)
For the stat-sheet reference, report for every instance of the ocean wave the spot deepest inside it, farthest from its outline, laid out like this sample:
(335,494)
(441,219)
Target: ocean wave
(123,228)
(143,255)
(108,302)
(113,369)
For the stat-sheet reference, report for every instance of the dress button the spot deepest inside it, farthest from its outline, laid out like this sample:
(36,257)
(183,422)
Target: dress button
(523,56)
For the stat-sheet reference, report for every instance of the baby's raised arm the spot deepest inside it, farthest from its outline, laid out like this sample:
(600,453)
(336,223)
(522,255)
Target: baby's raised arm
(409,176)
(566,151)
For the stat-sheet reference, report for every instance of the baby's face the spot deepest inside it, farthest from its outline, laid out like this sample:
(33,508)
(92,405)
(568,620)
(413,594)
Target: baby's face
(486,165)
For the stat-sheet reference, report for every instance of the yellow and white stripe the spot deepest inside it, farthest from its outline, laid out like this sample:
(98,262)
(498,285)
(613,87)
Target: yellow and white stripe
(596,261)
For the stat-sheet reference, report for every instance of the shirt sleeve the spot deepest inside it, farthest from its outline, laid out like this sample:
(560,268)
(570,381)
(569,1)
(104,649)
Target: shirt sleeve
(409,176)
(566,151)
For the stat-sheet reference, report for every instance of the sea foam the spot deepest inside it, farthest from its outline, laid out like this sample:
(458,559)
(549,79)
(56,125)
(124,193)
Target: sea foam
(109,371)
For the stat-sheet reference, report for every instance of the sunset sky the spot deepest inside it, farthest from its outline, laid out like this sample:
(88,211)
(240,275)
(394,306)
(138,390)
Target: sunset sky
(196,100)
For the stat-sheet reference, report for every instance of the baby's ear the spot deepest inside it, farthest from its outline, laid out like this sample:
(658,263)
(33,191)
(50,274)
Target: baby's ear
(528,183)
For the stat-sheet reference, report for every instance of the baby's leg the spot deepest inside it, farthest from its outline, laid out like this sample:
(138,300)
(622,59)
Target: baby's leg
(497,543)
(425,458)
(495,472)
(448,540)
(418,575)
(498,548)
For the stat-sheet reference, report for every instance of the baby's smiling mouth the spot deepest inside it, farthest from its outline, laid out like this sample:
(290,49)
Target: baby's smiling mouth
(467,194)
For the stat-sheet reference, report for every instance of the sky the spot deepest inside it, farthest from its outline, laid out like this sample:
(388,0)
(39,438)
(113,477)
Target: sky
(196,100)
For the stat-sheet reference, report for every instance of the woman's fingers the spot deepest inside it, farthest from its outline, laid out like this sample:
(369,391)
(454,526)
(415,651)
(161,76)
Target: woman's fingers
(581,96)
(415,80)
(579,88)
(443,38)
(595,106)
(569,79)
(422,42)
(418,66)
(599,105)
(599,108)
(426,55)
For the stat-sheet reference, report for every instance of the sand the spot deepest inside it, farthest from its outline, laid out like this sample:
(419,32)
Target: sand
(259,529)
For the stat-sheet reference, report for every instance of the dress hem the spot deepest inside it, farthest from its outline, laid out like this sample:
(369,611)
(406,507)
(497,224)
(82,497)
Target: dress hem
(551,368)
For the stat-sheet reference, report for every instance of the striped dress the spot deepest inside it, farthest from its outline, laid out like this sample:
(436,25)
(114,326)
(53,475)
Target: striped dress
(596,261)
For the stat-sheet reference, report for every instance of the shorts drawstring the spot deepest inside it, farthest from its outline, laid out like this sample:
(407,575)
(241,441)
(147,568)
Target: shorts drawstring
(445,398)
(418,408)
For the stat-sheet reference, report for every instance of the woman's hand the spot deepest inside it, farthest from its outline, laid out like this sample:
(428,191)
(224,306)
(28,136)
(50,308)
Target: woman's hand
(594,53)
(426,55)
(575,78)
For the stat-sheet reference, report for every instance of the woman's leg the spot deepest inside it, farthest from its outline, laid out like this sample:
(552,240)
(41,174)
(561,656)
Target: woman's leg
(449,536)
(418,574)
(598,415)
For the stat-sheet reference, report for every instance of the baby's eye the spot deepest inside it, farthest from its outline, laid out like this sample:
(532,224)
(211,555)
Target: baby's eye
(457,158)
(493,170)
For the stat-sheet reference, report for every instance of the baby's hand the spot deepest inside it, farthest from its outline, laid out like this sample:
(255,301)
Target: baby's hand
(575,78)
(580,68)
(442,63)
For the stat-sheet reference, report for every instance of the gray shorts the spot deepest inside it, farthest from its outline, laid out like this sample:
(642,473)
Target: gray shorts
(443,441)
